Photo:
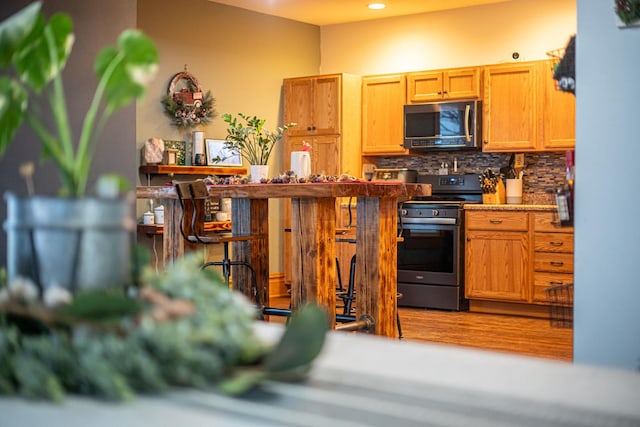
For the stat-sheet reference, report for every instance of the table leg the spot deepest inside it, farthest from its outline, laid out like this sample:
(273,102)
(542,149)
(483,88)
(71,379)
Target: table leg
(251,217)
(172,240)
(376,262)
(313,252)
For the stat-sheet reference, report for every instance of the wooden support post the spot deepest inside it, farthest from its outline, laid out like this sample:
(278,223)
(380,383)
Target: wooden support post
(376,262)
(313,277)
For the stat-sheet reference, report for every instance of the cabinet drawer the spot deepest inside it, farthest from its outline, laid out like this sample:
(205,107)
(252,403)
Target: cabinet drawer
(553,242)
(553,262)
(549,221)
(497,220)
(542,281)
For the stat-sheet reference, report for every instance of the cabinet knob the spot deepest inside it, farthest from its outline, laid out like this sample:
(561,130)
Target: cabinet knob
(445,92)
(468,239)
(485,142)
(439,92)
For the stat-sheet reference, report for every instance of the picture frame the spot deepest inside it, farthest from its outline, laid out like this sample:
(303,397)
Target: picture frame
(219,155)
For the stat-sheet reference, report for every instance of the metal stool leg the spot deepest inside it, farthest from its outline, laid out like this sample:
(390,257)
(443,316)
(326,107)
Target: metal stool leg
(398,296)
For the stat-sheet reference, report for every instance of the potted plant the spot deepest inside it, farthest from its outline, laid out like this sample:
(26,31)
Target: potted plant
(247,136)
(73,238)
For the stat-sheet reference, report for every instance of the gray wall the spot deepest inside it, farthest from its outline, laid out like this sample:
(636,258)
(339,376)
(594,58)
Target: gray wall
(97,24)
(607,242)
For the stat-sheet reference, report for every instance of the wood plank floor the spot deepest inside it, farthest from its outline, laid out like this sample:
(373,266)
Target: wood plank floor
(503,333)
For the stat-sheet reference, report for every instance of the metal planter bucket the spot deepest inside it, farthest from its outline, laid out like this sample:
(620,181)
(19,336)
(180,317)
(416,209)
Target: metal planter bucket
(73,243)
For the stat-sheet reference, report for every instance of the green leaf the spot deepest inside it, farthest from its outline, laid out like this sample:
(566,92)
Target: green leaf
(45,51)
(101,304)
(111,185)
(127,68)
(13,105)
(301,343)
(14,29)
(242,382)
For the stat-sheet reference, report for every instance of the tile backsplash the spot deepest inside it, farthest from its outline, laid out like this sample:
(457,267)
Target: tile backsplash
(543,172)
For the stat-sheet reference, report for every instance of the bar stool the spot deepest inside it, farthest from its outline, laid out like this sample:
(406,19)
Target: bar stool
(192,195)
(348,297)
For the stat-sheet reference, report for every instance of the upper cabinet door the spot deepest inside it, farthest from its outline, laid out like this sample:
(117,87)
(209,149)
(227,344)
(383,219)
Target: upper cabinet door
(442,85)
(509,108)
(558,112)
(383,99)
(298,100)
(424,87)
(326,111)
(313,103)
(462,83)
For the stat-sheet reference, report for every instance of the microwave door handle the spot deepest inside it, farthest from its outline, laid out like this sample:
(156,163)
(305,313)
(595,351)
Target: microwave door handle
(467,112)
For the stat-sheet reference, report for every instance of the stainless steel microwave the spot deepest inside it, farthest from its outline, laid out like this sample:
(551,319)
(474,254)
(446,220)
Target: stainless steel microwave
(451,125)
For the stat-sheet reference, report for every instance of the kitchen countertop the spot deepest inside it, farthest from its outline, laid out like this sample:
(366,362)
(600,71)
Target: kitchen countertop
(509,207)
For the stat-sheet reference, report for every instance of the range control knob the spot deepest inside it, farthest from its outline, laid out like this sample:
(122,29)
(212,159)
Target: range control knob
(435,212)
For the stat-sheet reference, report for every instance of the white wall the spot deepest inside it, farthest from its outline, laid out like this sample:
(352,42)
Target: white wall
(479,35)
(607,242)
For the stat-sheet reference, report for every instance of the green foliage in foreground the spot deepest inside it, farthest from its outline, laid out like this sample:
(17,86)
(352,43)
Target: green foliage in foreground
(83,352)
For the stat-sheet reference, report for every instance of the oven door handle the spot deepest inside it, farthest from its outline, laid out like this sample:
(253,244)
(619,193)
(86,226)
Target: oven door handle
(428,221)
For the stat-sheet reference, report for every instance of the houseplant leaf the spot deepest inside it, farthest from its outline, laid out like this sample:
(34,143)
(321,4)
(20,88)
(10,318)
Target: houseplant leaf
(44,52)
(15,29)
(127,68)
(12,109)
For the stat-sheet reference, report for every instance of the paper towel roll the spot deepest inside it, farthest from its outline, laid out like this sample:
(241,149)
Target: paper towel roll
(514,191)
(301,163)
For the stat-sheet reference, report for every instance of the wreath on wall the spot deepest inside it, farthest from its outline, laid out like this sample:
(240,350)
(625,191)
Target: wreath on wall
(185,103)
(628,10)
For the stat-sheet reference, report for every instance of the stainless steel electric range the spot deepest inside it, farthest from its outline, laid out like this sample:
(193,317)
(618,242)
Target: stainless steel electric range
(431,251)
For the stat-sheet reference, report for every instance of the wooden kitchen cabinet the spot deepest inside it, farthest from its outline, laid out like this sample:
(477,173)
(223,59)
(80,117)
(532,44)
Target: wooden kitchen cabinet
(497,256)
(325,153)
(523,111)
(327,110)
(442,85)
(558,130)
(553,254)
(383,99)
(509,109)
(313,103)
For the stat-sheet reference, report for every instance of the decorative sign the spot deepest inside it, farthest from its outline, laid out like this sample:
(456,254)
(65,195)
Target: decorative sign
(186,105)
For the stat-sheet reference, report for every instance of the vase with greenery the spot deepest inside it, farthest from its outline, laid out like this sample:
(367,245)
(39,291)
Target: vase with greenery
(248,136)
(33,54)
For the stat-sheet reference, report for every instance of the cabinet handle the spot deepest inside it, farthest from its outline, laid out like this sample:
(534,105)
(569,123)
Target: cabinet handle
(555,282)
(556,263)
(495,221)
(555,223)
(556,243)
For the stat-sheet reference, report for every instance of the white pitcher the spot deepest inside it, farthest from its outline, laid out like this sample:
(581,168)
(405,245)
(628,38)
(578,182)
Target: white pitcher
(301,163)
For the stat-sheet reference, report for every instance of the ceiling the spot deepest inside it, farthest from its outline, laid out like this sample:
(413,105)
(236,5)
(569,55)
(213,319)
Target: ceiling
(326,12)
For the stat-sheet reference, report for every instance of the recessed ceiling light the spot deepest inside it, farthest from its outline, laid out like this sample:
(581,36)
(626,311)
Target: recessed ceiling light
(377,6)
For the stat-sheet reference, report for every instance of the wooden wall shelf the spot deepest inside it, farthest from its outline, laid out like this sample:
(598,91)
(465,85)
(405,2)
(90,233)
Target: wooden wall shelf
(191,170)
(216,226)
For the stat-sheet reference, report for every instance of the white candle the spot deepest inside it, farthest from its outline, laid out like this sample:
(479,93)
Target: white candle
(198,142)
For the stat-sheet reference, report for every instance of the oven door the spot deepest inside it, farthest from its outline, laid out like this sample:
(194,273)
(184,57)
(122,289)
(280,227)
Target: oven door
(429,254)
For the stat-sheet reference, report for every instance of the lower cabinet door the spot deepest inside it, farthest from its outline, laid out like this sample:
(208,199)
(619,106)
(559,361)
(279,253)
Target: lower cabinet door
(496,265)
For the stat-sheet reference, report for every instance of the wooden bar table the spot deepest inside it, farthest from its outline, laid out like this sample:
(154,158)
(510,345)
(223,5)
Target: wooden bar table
(313,224)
